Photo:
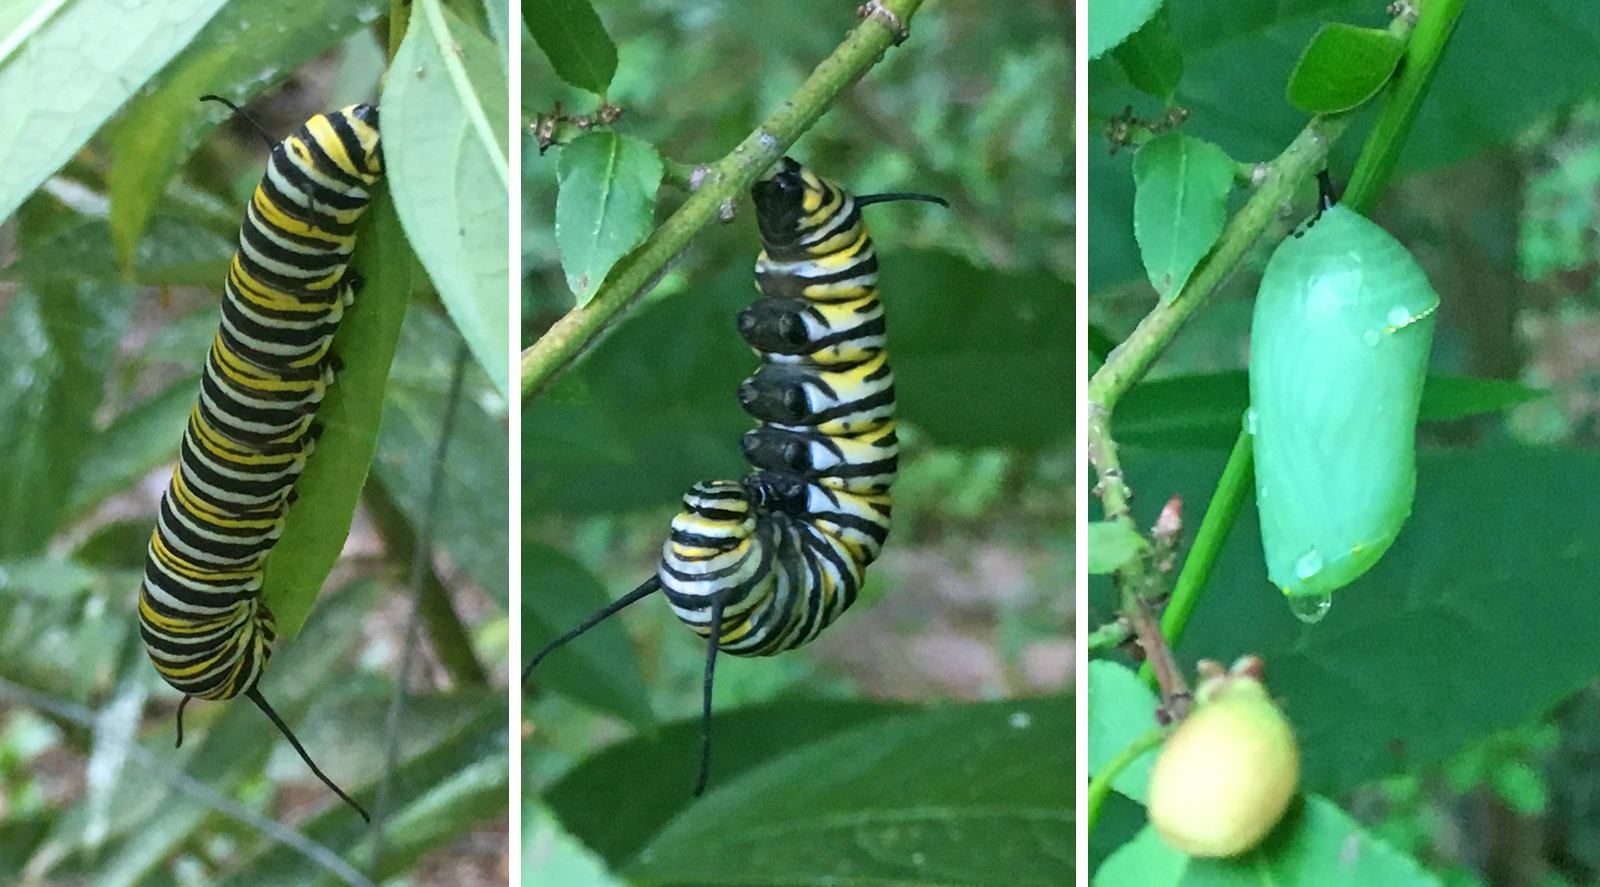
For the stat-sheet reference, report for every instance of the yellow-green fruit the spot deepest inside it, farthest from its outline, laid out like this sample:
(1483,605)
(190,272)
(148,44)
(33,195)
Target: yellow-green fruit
(1226,775)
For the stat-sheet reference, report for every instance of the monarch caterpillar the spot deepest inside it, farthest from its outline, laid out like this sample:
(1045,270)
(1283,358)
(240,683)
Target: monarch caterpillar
(763,564)
(200,612)
(1338,351)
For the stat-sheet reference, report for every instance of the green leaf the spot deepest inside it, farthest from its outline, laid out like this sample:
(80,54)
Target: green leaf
(1490,594)
(1111,545)
(1179,207)
(65,73)
(319,520)
(1151,59)
(246,48)
(1456,397)
(661,412)
(573,39)
(134,444)
(1344,66)
(1121,711)
(600,668)
(116,545)
(659,769)
(605,206)
(59,339)
(174,252)
(978,794)
(552,856)
(980,357)
(1495,80)
(445,138)
(1522,788)
(1205,410)
(1113,21)
(1317,845)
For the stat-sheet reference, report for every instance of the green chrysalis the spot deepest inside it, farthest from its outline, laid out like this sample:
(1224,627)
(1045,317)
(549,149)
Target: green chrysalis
(1338,351)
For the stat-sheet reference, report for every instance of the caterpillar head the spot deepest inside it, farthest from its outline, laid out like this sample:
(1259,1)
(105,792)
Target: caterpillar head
(790,201)
(776,491)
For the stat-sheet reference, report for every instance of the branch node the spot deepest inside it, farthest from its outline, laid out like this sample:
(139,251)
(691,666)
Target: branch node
(873,9)
(1405,10)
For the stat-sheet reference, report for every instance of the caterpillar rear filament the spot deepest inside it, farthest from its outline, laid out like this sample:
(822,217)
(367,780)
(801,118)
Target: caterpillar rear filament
(200,610)
(764,564)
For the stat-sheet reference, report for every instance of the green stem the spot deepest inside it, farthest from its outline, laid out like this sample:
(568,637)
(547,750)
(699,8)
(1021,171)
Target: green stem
(1128,363)
(1100,783)
(1436,21)
(1112,634)
(678,173)
(1233,490)
(725,180)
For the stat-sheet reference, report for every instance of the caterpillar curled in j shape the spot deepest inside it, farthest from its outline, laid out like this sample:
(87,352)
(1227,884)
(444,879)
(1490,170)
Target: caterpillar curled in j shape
(201,616)
(763,564)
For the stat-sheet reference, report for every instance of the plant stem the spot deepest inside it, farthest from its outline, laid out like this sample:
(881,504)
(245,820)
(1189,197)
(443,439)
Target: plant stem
(1232,491)
(1100,783)
(1436,21)
(1129,361)
(725,180)
(1112,634)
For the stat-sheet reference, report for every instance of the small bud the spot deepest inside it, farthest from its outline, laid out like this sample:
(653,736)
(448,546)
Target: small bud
(1225,777)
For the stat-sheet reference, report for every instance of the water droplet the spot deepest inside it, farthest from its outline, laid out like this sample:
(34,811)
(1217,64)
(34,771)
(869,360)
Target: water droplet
(1309,564)
(1399,317)
(919,858)
(1250,421)
(1371,337)
(1310,608)
(1020,720)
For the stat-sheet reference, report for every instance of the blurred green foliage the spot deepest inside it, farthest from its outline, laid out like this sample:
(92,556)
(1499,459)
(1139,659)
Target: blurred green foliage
(101,369)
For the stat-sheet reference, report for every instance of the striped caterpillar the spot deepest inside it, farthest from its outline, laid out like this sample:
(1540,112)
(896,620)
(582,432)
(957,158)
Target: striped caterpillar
(763,564)
(200,609)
